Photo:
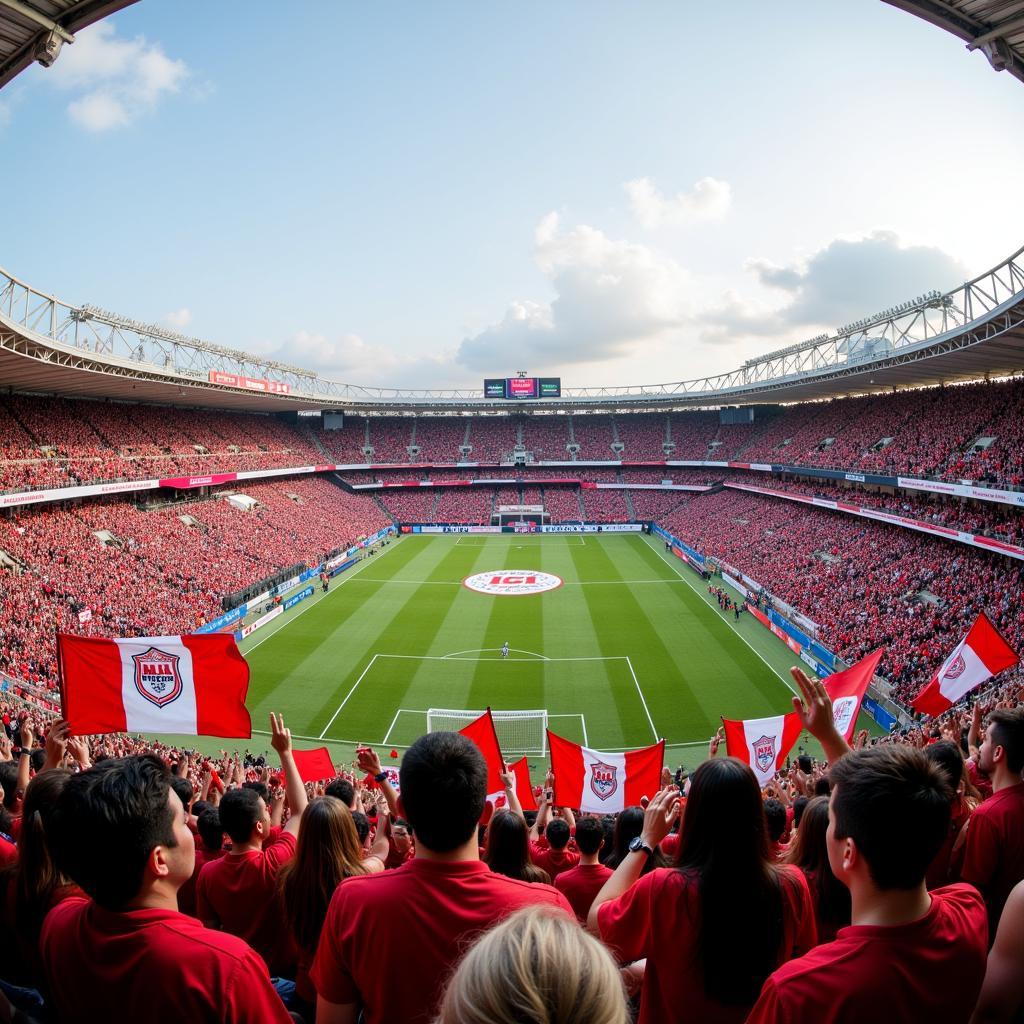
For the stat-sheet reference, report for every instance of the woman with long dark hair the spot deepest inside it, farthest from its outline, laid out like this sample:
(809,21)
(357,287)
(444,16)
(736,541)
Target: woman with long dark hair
(507,850)
(628,825)
(714,926)
(809,853)
(327,852)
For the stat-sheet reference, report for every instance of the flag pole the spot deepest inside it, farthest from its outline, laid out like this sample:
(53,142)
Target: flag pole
(60,677)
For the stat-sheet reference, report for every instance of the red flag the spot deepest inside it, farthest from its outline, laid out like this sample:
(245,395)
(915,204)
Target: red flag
(484,736)
(599,781)
(524,790)
(188,685)
(981,654)
(847,689)
(314,765)
(763,743)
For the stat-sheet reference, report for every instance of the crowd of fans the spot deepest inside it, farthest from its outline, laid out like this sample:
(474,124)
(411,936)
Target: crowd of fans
(163,571)
(148,881)
(866,583)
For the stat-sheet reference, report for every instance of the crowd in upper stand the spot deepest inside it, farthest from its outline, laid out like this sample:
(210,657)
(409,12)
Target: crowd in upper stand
(973,432)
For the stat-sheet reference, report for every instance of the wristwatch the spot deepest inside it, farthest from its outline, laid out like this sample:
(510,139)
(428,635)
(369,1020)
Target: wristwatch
(636,845)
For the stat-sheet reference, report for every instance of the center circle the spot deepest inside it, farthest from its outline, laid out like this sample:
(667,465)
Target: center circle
(512,582)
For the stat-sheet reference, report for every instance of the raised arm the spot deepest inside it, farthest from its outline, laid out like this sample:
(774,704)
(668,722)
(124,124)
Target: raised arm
(508,780)
(815,711)
(368,761)
(294,788)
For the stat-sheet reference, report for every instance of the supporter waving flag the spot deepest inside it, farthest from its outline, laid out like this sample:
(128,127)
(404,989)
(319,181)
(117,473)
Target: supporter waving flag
(847,689)
(482,733)
(189,685)
(981,654)
(604,782)
(763,743)
(523,788)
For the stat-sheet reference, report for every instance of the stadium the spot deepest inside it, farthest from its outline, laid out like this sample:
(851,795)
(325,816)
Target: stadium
(620,566)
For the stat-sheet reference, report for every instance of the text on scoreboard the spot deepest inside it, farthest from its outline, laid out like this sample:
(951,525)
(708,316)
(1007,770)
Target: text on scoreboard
(523,387)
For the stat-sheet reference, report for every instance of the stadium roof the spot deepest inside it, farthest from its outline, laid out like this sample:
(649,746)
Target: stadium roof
(35,30)
(996,27)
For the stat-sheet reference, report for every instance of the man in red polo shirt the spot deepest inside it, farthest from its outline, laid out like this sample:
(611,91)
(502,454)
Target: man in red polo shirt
(994,852)
(238,893)
(121,833)
(419,918)
(909,954)
(579,885)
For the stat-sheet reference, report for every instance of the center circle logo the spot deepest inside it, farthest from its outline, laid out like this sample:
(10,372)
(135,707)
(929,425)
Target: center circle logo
(512,582)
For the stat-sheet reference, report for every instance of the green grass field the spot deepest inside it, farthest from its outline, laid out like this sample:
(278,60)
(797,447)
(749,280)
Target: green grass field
(630,649)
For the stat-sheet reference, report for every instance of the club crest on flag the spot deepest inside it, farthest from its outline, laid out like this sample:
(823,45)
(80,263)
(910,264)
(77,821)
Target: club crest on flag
(603,779)
(764,752)
(157,676)
(956,670)
(842,712)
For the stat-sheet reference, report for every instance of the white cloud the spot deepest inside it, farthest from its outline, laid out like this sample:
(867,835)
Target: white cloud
(610,296)
(846,280)
(708,200)
(119,80)
(179,319)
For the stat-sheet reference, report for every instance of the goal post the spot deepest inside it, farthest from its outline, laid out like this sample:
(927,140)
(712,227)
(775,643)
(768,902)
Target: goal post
(522,732)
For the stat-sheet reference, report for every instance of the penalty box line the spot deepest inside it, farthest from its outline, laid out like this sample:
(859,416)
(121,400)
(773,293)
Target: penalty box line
(413,711)
(441,657)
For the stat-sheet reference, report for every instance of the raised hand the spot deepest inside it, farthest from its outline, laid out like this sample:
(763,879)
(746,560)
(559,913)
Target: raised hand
(280,737)
(368,761)
(660,815)
(815,711)
(716,741)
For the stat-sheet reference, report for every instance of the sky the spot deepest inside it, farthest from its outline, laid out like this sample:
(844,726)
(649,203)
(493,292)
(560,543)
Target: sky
(422,195)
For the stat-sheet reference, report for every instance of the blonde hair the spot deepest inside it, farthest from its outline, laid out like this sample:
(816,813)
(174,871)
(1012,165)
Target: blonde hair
(537,966)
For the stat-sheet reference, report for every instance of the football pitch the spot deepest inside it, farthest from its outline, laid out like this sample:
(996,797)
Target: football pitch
(629,648)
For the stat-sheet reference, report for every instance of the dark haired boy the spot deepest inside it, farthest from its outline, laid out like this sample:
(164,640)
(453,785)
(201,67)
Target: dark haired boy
(919,955)
(120,831)
(420,917)
(581,884)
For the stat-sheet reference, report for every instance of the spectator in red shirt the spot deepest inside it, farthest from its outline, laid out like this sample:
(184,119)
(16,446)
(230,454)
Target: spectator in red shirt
(238,893)
(713,927)
(945,866)
(507,850)
(555,857)
(420,915)
(581,884)
(209,847)
(535,966)
(919,955)
(994,853)
(327,852)
(120,832)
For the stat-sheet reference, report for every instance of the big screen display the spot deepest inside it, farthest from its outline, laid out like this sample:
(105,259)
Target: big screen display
(523,387)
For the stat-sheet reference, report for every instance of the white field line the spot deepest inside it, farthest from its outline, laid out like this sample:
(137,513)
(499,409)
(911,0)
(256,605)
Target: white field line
(727,625)
(650,721)
(349,694)
(387,735)
(289,619)
(565,583)
(491,650)
(452,657)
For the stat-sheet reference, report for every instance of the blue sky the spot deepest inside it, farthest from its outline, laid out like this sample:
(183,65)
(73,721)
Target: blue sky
(413,193)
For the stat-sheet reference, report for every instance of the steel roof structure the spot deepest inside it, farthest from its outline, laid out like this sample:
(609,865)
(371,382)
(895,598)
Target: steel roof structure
(36,30)
(995,27)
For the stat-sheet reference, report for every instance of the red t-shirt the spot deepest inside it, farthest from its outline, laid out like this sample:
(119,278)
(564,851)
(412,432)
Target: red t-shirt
(239,892)
(417,921)
(669,845)
(580,886)
(157,966)
(187,893)
(994,851)
(929,970)
(658,918)
(947,864)
(8,852)
(553,861)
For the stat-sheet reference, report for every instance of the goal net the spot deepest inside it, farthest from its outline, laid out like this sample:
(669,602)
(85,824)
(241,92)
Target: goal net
(522,732)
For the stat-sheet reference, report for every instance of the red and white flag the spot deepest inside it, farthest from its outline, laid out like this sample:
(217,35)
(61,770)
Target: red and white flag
(314,765)
(482,733)
(188,685)
(981,654)
(85,615)
(600,781)
(847,689)
(523,787)
(763,743)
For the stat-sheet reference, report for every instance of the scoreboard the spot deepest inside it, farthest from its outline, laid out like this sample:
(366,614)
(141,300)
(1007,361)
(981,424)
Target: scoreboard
(523,387)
